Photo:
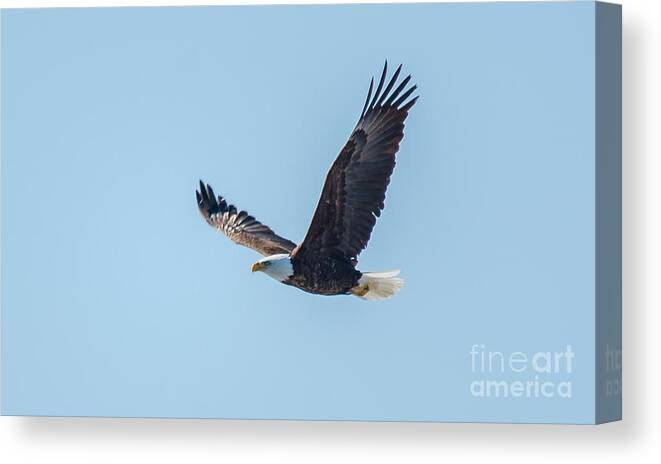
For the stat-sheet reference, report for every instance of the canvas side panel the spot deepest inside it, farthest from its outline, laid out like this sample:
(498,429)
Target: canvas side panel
(608,322)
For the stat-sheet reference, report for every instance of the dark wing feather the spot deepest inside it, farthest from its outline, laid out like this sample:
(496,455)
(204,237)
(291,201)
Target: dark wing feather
(354,191)
(239,226)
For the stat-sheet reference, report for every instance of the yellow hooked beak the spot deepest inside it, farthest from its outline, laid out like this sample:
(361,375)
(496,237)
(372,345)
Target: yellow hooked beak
(257,267)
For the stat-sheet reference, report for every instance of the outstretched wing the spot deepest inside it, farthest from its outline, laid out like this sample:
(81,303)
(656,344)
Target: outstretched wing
(355,187)
(239,226)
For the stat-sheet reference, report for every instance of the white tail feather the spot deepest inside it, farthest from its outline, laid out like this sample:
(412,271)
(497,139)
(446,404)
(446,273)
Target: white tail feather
(378,285)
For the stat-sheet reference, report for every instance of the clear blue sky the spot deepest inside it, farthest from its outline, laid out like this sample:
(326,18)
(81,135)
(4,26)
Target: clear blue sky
(119,300)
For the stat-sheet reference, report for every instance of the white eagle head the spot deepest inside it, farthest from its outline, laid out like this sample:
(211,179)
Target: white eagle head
(277,266)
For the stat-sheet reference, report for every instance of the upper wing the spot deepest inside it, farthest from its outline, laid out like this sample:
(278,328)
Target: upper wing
(355,186)
(239,226)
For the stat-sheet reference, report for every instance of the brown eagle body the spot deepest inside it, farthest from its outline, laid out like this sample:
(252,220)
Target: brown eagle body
(352,198)
(324,275)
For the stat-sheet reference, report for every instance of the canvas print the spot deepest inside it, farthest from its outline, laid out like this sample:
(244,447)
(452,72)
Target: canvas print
(401,212)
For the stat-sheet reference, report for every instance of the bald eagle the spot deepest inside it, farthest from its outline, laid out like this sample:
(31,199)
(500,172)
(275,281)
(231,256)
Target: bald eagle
(324,263)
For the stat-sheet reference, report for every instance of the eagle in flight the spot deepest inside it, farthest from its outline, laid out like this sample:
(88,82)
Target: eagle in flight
(324,263)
